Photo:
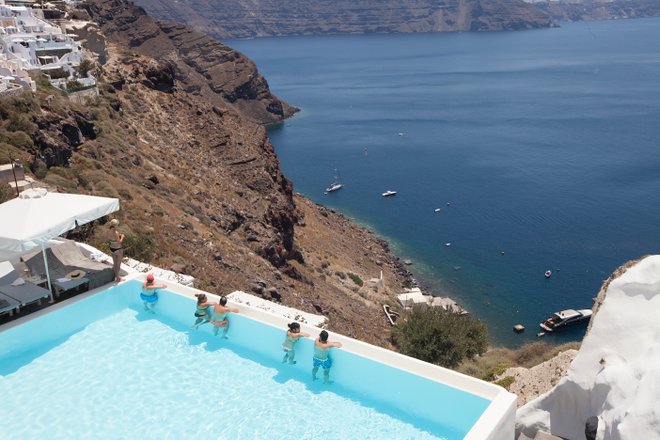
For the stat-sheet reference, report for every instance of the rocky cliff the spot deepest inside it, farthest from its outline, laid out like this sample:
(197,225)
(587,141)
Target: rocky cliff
(576,10)
(191,61)
(177,134)
(237,19)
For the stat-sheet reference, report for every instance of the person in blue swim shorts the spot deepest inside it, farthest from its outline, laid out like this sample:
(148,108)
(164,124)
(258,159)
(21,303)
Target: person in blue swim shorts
(322,356)
(149,294)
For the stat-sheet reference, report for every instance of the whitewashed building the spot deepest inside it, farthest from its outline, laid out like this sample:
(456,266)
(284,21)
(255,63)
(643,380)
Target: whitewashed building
(29,43)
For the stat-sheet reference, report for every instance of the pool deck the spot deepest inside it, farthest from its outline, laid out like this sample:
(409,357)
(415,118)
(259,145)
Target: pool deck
(497,422)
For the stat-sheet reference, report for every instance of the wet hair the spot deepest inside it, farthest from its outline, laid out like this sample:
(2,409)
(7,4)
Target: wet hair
(294,326)
(201,298)
(323,336)
(223,301)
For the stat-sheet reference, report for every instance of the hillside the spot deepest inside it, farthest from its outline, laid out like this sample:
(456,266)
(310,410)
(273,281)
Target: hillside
(177,134)
(260,18)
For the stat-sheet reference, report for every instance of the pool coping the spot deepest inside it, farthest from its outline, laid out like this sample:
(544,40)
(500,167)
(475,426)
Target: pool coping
(497,422)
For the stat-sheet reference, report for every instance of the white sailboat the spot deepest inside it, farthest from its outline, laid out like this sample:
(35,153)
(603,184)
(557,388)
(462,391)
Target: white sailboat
(336,185)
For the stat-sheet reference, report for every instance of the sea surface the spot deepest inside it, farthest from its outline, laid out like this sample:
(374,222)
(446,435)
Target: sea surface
(541,149)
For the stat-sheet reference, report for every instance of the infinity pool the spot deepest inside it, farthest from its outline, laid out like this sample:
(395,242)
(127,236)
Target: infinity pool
(101,367)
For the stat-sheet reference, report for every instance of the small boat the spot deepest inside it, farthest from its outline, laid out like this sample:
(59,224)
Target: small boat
(336,185)
(389,193)
(436,210)
(448,244)
(559,320)
(548,273)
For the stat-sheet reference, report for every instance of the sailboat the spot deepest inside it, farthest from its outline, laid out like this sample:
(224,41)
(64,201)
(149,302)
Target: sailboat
(336,185)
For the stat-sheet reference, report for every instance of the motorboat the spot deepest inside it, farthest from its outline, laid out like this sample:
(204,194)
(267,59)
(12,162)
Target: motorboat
(559,320)
(548,273)
(336,185)
(389,193)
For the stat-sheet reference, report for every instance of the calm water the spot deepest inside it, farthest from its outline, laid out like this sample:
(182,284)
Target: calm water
(545,143)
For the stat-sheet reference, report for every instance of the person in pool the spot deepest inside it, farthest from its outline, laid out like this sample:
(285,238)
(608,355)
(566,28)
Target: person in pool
(219,318)
(149,294)
(289,346)
(322,356)
(202,311)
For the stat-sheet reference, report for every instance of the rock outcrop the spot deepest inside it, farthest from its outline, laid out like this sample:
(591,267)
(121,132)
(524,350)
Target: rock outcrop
(236,19)
(614,375)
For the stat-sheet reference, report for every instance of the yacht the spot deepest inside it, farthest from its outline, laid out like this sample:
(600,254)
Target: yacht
(336,185)
(389,193)
(559,320)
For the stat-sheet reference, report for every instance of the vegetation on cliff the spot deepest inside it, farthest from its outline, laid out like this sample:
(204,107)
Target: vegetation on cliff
(439,336)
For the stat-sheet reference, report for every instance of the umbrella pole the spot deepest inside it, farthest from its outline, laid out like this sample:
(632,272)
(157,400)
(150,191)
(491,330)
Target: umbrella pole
(50,288)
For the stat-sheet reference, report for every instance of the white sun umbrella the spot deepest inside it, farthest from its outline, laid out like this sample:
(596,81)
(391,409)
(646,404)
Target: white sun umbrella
(36,216)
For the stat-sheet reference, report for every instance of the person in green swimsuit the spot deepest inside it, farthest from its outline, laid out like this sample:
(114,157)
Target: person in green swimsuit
(202,311)
(322,356)
(219,319)
(293,335)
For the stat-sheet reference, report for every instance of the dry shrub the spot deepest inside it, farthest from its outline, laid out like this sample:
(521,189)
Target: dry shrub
(8,151)
(505,382)
(495,361)
(105,189)
(61,182)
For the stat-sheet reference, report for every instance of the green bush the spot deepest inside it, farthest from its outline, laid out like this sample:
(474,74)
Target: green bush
(356,279)
(84,67)
(18,139)
(61,182)
(22,123)
(439,336)
(496,370)
(58,73)
(125,194)
(105,189)
(8,151)
(139,247)
(39,169)
(506,382)
(4,192)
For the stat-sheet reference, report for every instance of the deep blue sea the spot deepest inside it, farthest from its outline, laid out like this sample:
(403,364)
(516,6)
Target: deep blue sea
(545,143)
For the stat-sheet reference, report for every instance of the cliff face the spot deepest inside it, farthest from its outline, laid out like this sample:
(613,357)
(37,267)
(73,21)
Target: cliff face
(176,134)
(237,19)
(576,10)
(190,61)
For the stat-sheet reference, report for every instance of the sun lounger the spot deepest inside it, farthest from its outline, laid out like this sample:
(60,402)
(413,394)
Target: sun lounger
(8,305)
(13,287)
(66,258)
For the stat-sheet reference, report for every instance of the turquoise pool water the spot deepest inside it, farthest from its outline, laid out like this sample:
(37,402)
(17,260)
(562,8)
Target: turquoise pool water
(104,368)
